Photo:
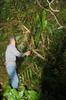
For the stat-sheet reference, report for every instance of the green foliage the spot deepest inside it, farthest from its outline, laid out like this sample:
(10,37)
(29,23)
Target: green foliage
(22,94)
(37,29)
(47,41)
(33,95)
(5,14)
(28,73)
(12,94)
(44,20)
(40,25)
(62,16)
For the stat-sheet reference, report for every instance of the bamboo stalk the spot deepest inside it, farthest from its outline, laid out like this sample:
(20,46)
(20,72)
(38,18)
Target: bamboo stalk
(39,55)
(27,30)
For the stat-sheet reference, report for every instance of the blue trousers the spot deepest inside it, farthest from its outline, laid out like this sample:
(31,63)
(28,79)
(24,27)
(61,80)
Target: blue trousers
(11,70)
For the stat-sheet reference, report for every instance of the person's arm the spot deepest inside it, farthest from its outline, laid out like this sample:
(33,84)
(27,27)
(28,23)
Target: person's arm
(16,52)
(27,53)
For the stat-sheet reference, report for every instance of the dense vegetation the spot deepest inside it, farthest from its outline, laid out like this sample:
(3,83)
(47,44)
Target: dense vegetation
(39,26)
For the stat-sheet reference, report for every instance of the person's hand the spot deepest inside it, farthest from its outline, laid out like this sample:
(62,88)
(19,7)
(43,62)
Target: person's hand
(27,53)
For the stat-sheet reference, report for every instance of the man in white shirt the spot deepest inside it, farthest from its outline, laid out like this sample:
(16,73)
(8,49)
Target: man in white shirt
(10,58)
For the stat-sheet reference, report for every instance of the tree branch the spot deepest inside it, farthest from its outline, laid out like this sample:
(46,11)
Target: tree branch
(39,55)
(39,4)
(49,3)
(52,12)
(60,26)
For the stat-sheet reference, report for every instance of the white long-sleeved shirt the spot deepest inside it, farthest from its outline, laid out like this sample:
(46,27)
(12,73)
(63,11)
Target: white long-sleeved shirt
(11,54)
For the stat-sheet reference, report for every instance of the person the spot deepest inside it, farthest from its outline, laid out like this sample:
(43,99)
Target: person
(10,61)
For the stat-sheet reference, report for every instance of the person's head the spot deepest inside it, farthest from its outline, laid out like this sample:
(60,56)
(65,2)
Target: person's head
(12,40)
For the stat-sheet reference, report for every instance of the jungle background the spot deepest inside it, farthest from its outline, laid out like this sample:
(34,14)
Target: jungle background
(39,26)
